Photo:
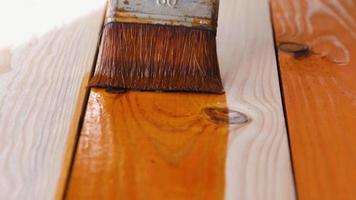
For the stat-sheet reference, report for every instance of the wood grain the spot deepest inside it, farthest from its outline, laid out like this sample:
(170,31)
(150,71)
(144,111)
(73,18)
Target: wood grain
(40,90)
(151,146)
(320,93)
(257,163)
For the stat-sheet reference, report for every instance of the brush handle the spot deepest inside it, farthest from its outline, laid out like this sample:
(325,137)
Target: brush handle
(190,13)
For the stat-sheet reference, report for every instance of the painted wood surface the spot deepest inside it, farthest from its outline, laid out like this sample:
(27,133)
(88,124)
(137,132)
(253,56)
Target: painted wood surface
(42,85)
(146,145)
(317,55)
(152,128)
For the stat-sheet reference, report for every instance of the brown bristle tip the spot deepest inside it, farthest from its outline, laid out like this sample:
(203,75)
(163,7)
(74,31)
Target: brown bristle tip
(158,57)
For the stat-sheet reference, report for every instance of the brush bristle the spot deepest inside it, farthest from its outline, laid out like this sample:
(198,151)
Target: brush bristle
(157,57)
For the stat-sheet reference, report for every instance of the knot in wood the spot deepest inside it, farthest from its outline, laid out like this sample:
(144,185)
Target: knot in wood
(297,49)
(225,116)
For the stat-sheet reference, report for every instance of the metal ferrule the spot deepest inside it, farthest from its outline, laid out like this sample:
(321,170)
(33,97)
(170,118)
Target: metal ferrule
(189,13)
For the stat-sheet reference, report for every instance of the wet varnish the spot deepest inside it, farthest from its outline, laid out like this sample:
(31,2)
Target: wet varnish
(165,58)
(143,145)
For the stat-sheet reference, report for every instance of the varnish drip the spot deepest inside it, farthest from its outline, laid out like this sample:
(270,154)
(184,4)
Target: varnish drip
(150,146)
(157,57)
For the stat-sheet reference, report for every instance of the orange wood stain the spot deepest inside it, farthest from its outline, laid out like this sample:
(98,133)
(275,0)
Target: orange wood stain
(146,145)
(318,68)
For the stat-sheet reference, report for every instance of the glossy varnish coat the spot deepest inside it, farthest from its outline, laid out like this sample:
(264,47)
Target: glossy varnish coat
(151,146)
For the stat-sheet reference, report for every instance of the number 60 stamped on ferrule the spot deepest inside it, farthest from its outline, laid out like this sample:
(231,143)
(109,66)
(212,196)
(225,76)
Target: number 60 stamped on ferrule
(170,3)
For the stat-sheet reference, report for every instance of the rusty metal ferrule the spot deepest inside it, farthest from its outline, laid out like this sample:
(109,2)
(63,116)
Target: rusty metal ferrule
(189,13)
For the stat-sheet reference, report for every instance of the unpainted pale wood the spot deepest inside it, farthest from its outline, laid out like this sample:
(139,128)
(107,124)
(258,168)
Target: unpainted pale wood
(257,164)
(258,161)
(320,93)
(41,87)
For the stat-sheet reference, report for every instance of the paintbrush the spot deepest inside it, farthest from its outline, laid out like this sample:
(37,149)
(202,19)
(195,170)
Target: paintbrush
(165,45)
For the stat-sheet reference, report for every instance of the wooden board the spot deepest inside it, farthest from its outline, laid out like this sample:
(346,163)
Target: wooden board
(42,86)
(134,144)
(139,145)
(319,81)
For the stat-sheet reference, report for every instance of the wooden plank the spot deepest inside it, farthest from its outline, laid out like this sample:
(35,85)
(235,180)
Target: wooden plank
(319,81)
(151,146)
(116,146)
(42,86)
(258,162)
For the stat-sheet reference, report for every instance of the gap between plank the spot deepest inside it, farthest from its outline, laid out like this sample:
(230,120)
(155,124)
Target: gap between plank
(282,98)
